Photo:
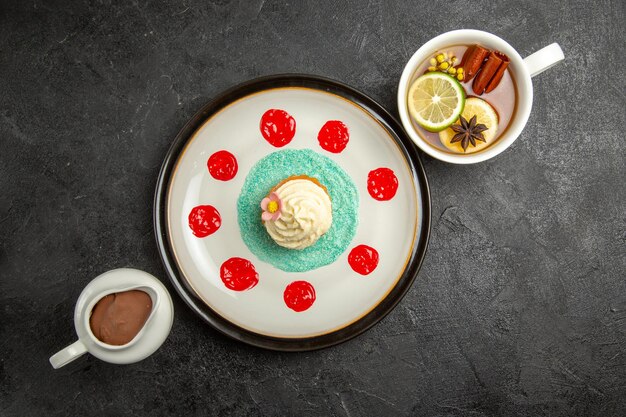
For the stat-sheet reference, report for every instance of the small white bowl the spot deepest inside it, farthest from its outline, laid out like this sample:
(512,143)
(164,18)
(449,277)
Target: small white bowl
(521,69)
(151,336)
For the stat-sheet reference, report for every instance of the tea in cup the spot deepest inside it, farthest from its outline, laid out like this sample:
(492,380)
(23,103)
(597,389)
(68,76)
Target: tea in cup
(466,95)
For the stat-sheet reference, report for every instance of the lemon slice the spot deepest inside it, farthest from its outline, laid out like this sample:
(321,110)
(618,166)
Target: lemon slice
(485,114)
(435,101)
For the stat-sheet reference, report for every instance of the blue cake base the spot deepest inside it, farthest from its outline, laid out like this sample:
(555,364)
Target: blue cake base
(274,168)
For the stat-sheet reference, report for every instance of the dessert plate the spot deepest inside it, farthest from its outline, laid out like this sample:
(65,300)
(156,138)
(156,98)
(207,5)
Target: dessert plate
(289,299)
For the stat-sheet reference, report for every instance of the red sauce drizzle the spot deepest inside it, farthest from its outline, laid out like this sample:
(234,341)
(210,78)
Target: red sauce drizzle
(299,296)
(278,127)
(239,274)
(222,165)
(382,184)
(204,220)
(363,259)
(333,136)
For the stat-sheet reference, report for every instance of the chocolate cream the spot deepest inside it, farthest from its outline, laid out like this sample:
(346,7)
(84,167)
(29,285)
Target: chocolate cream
(117,318)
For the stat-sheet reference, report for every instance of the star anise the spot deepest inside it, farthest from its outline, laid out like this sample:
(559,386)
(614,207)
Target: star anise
(468,132)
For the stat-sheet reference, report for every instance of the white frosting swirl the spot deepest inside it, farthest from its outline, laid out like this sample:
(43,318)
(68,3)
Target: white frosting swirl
(306,214)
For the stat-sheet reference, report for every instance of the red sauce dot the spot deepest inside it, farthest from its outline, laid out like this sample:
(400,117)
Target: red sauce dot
(382,184)
(238,274)
(333,136)
(363,259)
(222,165)
(299,296)
(278,127)
(204,220)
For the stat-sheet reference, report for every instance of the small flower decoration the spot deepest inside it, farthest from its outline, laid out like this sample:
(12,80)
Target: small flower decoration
(271,207)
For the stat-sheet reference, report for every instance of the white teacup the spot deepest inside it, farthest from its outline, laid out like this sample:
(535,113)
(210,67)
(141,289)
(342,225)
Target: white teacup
(151,336)
(521,69)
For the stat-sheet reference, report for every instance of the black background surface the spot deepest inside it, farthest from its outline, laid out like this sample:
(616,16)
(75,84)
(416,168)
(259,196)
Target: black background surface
(519,309)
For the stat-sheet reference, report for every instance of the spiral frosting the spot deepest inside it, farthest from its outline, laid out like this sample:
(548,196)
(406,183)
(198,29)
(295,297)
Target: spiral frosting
(306,214)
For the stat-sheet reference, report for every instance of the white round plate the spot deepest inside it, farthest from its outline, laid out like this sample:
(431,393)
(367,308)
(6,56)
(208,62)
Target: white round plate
(346,302)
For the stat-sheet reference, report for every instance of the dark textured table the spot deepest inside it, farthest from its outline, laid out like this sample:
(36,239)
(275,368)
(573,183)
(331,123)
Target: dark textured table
(520,306)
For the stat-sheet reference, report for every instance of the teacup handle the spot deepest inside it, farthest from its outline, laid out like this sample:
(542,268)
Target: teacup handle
(543,59)
(67,355)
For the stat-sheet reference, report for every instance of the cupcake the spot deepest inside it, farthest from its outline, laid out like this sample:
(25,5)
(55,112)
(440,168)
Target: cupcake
(297,212)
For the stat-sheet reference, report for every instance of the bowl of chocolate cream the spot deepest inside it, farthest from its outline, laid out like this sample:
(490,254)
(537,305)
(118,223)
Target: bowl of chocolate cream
(121,317)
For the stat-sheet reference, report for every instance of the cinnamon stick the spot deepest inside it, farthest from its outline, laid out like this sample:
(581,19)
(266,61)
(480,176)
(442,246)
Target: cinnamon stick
(487,71)
(497,77)
(472,60)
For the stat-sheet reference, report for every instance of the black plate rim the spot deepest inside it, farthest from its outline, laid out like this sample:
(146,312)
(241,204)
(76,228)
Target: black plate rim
(392,298)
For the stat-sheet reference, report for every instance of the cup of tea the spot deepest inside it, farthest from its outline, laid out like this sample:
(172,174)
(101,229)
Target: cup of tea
(466,95)
(121,317)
